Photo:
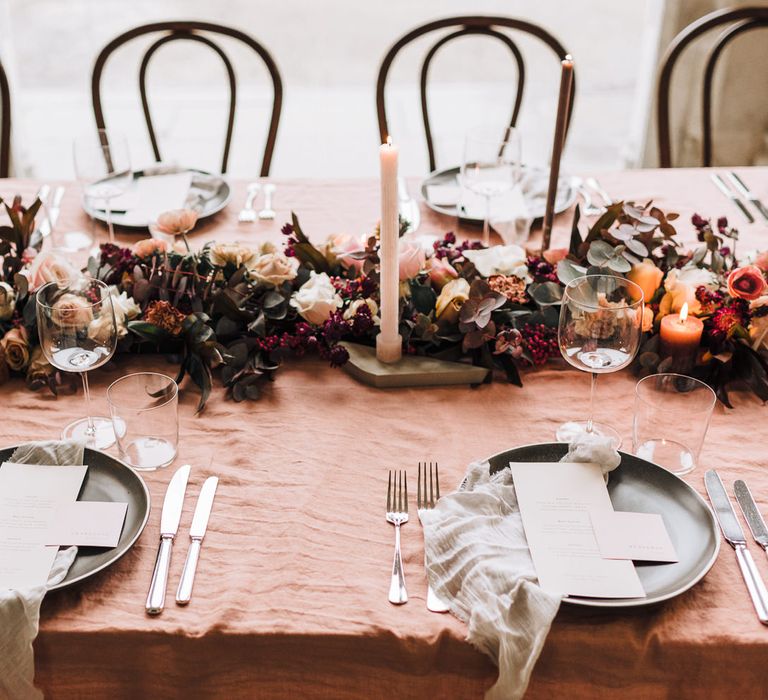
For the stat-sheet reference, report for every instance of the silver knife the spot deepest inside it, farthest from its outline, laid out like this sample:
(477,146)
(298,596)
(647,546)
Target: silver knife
(751,513)
(196,533)
(53,212)
(751,196)
(720,184)
(734,535)
(169,525)
(408,207)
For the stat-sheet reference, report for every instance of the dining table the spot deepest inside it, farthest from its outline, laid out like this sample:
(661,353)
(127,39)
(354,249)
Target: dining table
(290,598)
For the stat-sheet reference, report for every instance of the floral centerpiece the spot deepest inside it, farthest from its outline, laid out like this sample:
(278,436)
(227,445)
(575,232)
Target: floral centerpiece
(239,310)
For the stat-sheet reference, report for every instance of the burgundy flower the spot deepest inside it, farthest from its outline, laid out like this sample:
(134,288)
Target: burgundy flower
(338,356)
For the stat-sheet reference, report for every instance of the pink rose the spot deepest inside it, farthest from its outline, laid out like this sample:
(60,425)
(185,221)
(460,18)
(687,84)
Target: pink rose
(440,271)
(149,246)
(762,261)
(340,245)
(49,267)
(747,283)
(411,260)
(554,255)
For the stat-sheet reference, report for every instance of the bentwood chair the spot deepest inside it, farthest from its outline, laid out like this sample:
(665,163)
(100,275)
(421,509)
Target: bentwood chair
(5,129)
(736,22)
(487,26)
(198,32)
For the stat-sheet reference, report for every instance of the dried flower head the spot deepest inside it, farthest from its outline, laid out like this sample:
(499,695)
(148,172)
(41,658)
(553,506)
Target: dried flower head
(165,316)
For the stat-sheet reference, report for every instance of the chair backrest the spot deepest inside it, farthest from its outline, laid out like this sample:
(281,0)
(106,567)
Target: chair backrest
(466,26)
(192,31)
(5,130)
(737,21)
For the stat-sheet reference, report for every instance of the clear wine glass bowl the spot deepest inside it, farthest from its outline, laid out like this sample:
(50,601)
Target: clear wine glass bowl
(77,331)
(599,331)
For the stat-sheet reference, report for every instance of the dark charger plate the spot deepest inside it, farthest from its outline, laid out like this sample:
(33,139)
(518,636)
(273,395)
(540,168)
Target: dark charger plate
(107,479)
(643,487)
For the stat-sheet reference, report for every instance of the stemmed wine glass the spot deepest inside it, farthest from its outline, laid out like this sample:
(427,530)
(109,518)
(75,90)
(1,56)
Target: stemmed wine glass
(103,166)
(599,331)
(77,330)
(491,166)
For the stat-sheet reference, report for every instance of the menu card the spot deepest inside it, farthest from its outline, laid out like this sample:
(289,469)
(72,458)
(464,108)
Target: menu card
(555,500)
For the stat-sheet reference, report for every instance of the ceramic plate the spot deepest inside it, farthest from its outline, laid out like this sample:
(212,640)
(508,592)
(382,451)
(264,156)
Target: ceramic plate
(107,479)
(209,204)
(643,487)
(535,183)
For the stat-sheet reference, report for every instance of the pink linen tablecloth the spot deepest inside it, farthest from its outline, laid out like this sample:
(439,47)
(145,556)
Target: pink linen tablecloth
(291,594)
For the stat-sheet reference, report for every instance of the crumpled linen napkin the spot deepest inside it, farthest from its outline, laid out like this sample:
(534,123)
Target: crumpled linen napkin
(20,610)
(477,559)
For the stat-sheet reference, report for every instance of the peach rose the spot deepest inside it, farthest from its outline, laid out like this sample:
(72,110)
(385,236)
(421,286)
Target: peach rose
(235,253)
(176,221)
(747,283)
(49,267)
(411,260)
(440,271)
(71,310)
(450,301)
(340,245)
(149,246)
(15,344)
(554,255)
(646,276)
(647,319)
(274,269)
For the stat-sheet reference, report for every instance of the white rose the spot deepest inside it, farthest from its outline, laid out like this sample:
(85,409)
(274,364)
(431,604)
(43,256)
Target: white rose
(696,277)
(100,329)
(274,269)
(504,260)
(124,306)
(317,299)
(7,301)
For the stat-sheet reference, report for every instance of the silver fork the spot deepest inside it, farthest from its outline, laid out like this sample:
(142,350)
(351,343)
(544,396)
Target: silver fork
(427,494)
(397,514)
(590,208)
(247,214)
(597,187)
(268,213)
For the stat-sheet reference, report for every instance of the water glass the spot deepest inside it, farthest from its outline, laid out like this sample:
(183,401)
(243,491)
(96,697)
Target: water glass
(672,414)
(145,416)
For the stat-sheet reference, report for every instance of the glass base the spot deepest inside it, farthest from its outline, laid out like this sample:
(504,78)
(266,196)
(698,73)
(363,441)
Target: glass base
(105,434)
(673,456)
(568,431)
(148,453)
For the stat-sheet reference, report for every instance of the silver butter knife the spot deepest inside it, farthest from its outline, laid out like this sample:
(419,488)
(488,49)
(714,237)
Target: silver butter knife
(734,535)
(741,186)
(196,533)
(169,525)
(53,212)
(751,513)
(720,184)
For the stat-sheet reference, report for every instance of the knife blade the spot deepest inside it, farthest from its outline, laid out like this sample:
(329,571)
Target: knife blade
(734,535)
(53,212)
(196,534)
(741,186)
(751,513)
(169,525)
(720,184)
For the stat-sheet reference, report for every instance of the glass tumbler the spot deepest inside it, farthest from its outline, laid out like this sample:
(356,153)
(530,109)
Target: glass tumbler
(672,414)
(145,416)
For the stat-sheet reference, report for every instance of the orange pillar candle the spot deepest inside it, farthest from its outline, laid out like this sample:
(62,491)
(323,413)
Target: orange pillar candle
(680,338)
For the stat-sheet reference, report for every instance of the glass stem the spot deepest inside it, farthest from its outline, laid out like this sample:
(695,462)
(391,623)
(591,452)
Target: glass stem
(109,222)
(90,431)
(487,222)
(592,387)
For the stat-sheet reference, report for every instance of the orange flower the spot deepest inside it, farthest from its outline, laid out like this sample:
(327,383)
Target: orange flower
(747,283)
(165,316)
(177,221)
(149,246)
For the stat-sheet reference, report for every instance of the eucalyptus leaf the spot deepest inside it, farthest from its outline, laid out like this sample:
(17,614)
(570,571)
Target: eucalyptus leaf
(567,271)
(546,293)
(600,253)
(637,247)
(619,264)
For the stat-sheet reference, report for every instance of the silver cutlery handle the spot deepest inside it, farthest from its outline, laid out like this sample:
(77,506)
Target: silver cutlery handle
(754,582)
(268,190)
(747,214)
(184,592)
(253,192)
(397,593)
(434,603)
(156,595)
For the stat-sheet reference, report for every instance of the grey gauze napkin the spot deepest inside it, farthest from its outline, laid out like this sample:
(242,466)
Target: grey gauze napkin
(20,610)
(478,560)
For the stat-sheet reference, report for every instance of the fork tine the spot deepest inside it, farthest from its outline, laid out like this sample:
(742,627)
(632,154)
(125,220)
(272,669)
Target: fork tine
(389,492)
(431,488)
(437,483)
(398,486)
(405,477)
(418,489)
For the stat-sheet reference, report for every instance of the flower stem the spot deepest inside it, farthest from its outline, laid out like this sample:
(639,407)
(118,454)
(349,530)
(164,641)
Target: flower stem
(592,388)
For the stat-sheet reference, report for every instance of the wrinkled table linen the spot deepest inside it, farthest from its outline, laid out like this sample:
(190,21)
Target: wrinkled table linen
(290,597)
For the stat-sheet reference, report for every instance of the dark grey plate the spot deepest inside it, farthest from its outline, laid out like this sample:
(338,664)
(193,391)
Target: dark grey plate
(536,200)
(107,479)
(643,487)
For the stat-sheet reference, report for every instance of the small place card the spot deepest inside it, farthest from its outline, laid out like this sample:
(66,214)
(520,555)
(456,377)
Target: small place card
(87,523)
(636,536)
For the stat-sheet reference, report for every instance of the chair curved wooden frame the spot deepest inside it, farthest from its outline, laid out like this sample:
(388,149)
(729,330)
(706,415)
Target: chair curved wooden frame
(5,130)
(468,25)
(742,19)
(187,30)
